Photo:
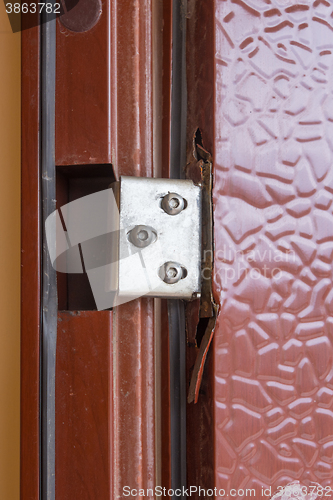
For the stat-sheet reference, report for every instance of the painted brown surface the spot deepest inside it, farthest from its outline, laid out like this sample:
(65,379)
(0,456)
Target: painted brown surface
(102,119)
(30,261)
(166,86)
(83,93)
(133,404)
(84,405)
(132,88)
(273,353)
(132,144)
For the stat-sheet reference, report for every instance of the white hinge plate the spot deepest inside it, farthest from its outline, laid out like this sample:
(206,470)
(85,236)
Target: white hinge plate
(169,266)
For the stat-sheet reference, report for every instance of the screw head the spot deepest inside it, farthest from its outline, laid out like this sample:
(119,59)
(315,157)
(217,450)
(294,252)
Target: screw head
(173,203)
(141,236)
(171,272)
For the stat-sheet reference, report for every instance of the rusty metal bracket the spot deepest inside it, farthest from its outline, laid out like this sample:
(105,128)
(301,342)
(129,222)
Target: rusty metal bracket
(200,171)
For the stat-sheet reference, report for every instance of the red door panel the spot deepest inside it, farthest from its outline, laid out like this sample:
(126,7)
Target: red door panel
(273,356)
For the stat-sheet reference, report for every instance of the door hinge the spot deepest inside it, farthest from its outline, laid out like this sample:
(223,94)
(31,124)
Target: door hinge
(158,244)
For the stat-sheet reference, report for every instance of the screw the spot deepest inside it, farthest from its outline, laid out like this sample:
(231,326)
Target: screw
(173,203)
(171,272)
(141,236)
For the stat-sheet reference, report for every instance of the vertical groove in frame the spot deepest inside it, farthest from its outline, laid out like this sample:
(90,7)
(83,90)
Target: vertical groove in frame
(165,173)
(176,309)
(177,340)
(49,286)
(157,71)
(200,110)
(113,88)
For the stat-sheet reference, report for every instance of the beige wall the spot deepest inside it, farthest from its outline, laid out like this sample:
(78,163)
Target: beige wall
(9,258)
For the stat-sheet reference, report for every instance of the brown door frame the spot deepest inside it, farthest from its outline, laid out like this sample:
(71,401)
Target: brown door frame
(30,262)
(130,332)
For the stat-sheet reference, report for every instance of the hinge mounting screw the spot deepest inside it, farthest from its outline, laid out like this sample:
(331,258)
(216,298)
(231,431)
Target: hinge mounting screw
(172,272)
(142,236)
(173,203)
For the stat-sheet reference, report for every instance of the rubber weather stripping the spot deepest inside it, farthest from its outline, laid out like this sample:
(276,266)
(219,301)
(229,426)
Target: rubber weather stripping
(176,308)
(49,284)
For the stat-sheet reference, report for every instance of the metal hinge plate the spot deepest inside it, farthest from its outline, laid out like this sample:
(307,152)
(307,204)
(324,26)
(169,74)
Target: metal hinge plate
(159,244)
